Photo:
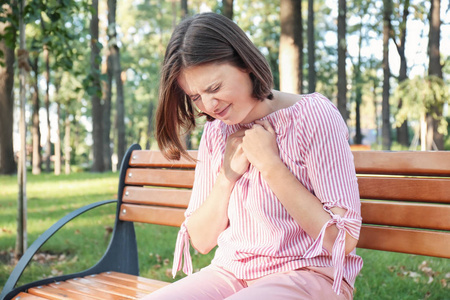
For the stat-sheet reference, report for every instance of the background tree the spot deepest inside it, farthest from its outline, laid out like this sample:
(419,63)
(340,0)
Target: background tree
(420,96)
(184,9)
(342,56)
(399,39)
(95,92)
(227,9)
(361,8)
(24,68)
(291,47)
(385,111)
(7,58)
(35,128)
(311,47)
(435,136)
(114,55)
(46,53)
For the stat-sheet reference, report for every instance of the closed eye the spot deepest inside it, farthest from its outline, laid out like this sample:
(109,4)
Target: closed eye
(216,88)
(195,97)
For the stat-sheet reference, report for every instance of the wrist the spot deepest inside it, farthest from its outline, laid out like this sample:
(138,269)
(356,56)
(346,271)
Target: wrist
(225,181)
(272,168)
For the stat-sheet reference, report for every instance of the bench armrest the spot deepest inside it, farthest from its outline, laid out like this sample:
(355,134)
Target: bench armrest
(31,251)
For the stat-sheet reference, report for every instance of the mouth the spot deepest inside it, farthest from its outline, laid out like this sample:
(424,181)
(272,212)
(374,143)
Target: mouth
(223,112)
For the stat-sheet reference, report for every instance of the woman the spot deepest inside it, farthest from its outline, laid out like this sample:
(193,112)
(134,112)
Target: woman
(275,187)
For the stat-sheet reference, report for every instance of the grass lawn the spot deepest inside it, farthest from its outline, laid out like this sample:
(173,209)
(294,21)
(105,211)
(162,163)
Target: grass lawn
(82,242)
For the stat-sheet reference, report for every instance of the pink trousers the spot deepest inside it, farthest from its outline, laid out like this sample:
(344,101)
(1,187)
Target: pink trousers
(216,283)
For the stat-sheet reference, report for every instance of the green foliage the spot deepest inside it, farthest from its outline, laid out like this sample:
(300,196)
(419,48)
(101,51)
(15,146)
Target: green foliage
(419,97)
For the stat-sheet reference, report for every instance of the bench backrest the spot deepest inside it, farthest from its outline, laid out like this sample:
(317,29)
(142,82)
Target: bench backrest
(405,197)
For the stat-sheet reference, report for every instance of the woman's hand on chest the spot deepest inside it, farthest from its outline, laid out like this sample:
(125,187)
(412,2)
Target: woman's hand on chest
(260,146)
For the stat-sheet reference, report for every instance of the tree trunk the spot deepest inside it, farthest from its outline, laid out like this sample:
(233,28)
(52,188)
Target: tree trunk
(22,236)
(36,132)
(435,69)
(342,55)
(291,45)
(402,131)
(107,99)
(57,160)
(58,156)
(48,146)
(358,91)
(385,110)
(117,75)
(184,9)
(311,49)
(7,161)
(97,112)
(58,140)
(67,148)
(227,9)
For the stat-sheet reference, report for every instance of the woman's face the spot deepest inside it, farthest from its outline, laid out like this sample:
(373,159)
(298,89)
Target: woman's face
(222,91)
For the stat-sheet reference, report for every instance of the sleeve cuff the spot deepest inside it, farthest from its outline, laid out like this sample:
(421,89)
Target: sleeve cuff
(182,249)
(344,224)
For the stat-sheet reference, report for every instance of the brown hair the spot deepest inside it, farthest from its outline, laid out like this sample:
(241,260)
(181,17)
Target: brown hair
(202,39)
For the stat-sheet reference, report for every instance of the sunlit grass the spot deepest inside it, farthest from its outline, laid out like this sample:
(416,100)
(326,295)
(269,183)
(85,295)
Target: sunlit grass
(82,242)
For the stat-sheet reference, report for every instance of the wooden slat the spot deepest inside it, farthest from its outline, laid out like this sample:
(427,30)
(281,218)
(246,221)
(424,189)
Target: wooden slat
(23,296)
(359,147)
(107,288)
(435,163)
(412,189)
(152,214)
(85,290)
(168,178)
(415,215)
(132,278)
(421,242)
(150,158)
(49,292)
(155,196)
(137,286)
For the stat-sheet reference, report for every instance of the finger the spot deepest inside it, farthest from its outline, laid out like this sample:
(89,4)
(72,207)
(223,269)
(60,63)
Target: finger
(266,124)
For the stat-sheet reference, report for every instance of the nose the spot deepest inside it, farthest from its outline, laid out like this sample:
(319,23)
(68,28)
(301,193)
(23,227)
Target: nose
(210,104)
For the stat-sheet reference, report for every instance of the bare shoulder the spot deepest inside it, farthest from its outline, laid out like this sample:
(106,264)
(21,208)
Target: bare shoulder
(285,100)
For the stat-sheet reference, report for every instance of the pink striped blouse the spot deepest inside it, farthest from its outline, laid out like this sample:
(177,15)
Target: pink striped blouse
(262,238)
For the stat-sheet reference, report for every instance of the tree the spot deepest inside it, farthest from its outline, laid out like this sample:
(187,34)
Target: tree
(95,92)
(435,69)
(117,71)
(342,56)
(46,52)
(35,128)
(402,130)
(385,110)
(311,47)
(420,96)
(184,9)
(357,81)
(7,58)
(227,9)
(24,68)
(107,100)
(291,47)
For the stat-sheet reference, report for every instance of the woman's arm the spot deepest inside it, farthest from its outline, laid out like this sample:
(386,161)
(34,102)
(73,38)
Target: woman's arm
(306,209)
(211,218)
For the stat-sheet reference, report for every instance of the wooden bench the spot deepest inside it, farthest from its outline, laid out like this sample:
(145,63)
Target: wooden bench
(405,208)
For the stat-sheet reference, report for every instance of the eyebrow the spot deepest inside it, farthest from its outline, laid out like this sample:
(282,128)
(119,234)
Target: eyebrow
(209,89)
